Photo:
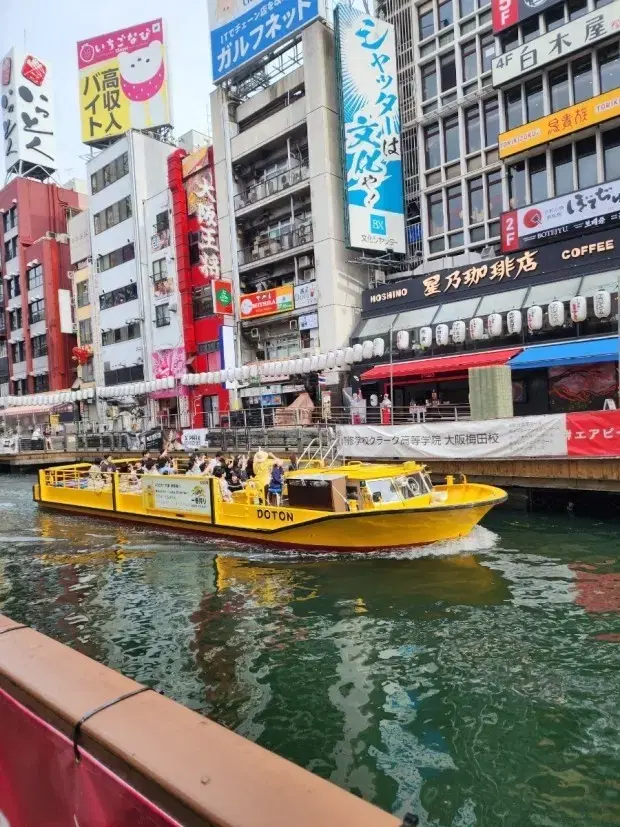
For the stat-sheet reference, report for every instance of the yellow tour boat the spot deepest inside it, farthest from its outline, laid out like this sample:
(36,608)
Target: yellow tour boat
(349,507)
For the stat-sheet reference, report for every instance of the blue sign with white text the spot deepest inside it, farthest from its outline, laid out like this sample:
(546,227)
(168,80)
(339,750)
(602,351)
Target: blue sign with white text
(240,34)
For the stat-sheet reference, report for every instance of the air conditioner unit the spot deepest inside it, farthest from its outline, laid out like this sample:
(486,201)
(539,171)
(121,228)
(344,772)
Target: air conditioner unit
(306,275)
(293,324)
(295,176)
(272,186)
(173,306)
(379,276)
(254,333)
(63,238)
(285,180)
(304,261)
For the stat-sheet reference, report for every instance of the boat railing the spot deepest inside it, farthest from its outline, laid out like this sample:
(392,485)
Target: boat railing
(77,476)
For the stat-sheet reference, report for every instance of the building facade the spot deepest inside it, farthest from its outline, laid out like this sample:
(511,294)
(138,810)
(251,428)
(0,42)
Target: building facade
(37,325)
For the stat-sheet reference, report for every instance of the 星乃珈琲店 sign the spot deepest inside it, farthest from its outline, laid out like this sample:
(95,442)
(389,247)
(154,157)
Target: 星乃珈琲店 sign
(565,122)
(549,262)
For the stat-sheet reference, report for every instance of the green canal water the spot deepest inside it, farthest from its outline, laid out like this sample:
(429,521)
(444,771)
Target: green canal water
(472,683)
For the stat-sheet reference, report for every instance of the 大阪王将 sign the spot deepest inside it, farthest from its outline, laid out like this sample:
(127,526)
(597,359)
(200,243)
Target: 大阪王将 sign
(566,216)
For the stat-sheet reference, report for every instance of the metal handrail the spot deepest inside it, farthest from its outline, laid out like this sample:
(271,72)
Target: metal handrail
(271,185)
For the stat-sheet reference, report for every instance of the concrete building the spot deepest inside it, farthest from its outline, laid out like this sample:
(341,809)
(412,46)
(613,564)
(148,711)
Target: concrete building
(280,209)
(36,291)
(86,322)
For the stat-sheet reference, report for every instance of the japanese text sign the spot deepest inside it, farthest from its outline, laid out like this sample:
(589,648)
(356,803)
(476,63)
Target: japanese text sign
(565,122)
(222,296)
(26,114)
(172,493)
(243,30)
(508,12)
(123,82)
(277,300)
(371,141)
(570,215)
(558,44)
(306,294)
(550,262)
(201,202)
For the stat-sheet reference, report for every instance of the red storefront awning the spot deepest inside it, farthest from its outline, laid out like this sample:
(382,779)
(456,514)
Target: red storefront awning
(458,363)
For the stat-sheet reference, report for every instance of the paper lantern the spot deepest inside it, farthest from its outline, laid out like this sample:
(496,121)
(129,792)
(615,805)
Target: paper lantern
(253,371)
(578,309)
(314,362)
(262,368)
(378,347)
(458,332)
(442,334)
(79,396)
(171,382)
(278,367)
(555,312)
(495,324)
(602,304)
(426,336)
(160,384)
(331,359)
(358,352)
(322,361)
(367,349)
(201,378)
(238,374)
(299,365)
(306,366)
(340,358)
(217,377)
(402,339)
(245,373)
(514,321)
(476,328)
(535,317)
(348,355)
(230,374)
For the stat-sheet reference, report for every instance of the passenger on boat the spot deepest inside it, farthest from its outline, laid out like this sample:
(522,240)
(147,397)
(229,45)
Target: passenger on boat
(107,464)
(133,480)
(276,483)
(96,479)
(293,462)
(218,473)
(234,483)
(150,467)
(165,466)
(139,468)
(262,465)
(194,467)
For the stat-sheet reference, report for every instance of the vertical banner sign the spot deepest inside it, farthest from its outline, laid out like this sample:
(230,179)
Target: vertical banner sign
(371,148)
(123,81)
(243,30)
(222,297)
(26,114)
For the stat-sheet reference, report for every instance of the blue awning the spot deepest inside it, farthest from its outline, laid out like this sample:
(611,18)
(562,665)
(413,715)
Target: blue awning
(580,352)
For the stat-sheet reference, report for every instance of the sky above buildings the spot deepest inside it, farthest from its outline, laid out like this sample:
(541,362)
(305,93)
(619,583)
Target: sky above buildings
(50,31)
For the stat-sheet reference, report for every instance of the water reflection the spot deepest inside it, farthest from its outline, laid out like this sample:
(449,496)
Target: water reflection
(474,683)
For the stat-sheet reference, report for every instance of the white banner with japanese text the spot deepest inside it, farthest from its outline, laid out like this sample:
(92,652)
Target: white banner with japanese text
(194,438)
(528,436)
(180,494)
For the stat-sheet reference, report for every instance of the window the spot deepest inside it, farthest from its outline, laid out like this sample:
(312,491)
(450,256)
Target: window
(202,300)
(208,347)
(35,277)
(585,151)
(13,287)
(85,332)
(562,160)
(611,154)
(475,196)
(112,215)
(162,315)
(120,334)
(9,219)
(516,185)
(41,383)
(162,222)
(429,82)
(558,85)
(470,60)
(435,213)
(487,48)
(577,8)
(538,178)
(582,79)
(609,67)
(472,129)
(160,269)
(432,149)
(490,110)
(116,257)
(514,111)
(81,292)
(20,387)
(509,39)
(194,248)
(446,14)
(88,372)
(121,295)
(494,189)
(426,19)
(534,101)
(554,18)
(447,71)
(467,7)
(15,319)
(36,311)
(455,207)
(109,173)
(451,138)
(18,352)
(10,248)
(39,346)
(134,373)
(530,29)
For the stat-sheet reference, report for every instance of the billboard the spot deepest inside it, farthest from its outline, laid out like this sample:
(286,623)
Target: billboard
(306,295)
(557,45)
(508,12)
(123,80)
(27,115)
(79,237)
(202,203)
(566,216)
(244,30)
(222,297)
(565,122)
(371,147)
(277,300)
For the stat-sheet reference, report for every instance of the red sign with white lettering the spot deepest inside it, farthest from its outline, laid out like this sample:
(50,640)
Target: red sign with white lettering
(509,232)
(594,434)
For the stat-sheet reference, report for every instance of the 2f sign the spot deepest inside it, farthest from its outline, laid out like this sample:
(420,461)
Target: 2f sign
(505,13)
(509,234)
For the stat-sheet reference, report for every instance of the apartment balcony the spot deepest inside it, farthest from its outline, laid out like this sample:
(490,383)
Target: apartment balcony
(269,189)
(271,247)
